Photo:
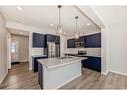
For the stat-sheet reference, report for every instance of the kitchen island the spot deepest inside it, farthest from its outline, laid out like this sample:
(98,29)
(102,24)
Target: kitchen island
(53,73)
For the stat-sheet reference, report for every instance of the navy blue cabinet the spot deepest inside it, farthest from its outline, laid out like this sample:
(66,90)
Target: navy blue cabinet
(57,40)
(93,63)
(82,39)
(38,40)
(93,41)
(90,41)
(53,38)
(35,62)
(40,75)
(71,43)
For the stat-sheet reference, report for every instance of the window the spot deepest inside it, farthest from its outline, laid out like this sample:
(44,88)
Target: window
(13,47)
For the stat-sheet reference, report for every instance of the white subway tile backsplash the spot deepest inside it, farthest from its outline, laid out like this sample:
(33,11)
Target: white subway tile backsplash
(90,51)
(37,51)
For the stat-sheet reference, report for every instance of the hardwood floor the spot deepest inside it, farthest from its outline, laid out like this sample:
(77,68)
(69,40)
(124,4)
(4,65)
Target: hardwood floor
(19,77)
(94,80)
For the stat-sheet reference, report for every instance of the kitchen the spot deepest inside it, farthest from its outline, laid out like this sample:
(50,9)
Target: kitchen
(59,52)
(49,51)
(68,47)
(87,61)
(46,48)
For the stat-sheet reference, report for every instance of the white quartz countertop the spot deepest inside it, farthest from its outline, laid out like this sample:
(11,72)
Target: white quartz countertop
(56,62)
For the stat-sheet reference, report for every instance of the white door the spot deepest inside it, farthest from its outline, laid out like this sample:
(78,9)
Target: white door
(15,51)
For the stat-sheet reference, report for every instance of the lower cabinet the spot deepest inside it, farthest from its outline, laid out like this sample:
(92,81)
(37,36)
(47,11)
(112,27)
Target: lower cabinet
(35,62)
(40,75)
(93,63)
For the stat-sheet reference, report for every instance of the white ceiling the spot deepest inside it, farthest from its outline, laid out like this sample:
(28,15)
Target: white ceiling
(43,16)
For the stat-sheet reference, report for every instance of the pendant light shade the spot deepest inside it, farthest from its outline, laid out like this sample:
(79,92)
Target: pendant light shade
(59,26)
(77,34)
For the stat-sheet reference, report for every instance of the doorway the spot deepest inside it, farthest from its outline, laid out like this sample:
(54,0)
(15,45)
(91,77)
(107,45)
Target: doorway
(18,48)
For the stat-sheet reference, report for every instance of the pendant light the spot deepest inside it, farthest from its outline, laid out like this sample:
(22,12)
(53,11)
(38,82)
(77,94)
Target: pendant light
(59,26)
(76,32)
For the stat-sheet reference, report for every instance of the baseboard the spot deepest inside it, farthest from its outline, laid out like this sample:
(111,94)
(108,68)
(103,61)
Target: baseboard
(24,61)
(125,74)
(13,63)
(3,78)
(104,73)
(68,81)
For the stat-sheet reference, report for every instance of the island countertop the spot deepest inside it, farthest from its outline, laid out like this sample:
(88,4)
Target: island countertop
(50,63)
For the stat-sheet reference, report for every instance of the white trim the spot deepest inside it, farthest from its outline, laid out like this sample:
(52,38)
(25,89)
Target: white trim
(30,51)
(68,81)
(24,61)
(8,51)
(104,73)
(125,74)
(3,77)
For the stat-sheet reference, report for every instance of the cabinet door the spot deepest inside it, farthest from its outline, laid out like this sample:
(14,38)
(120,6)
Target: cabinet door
(71,43)
(57,40)
(35,65)
(81,39)
(38,40)
(53,38)
(40,75)
(93,41)
(35,62)
(93,63)
(50,38)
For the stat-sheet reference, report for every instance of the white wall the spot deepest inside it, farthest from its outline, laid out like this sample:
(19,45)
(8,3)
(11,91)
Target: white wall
(117,60)
(115,19)
(3,49)
(23,47)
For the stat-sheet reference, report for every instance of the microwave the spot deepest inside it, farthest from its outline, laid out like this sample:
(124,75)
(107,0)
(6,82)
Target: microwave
(79,44)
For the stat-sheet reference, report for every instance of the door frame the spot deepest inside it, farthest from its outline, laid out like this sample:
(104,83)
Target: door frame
(9,51)
(9,65)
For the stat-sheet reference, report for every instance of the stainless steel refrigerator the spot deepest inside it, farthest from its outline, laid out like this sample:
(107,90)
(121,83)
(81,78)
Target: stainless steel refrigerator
(53,50)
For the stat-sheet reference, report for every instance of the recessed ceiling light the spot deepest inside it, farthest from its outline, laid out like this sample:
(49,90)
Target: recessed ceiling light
(88,24)
(19,8)
(51,25)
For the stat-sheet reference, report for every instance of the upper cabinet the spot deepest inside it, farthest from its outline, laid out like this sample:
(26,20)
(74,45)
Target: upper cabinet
(82,39)
(53,38)
(93,41)
(89,41)
(71,43)
(38,40)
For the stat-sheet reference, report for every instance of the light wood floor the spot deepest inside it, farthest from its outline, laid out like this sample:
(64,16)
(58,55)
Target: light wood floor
(20,77)
(94,80)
